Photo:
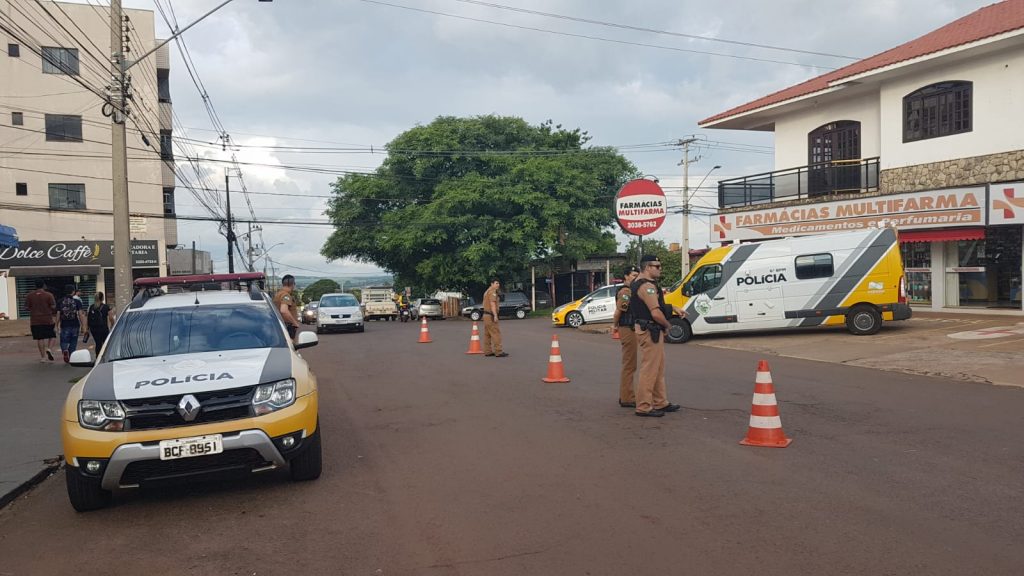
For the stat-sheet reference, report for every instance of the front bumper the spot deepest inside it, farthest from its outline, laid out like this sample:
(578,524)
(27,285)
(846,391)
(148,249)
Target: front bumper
(340,322)
(119,449)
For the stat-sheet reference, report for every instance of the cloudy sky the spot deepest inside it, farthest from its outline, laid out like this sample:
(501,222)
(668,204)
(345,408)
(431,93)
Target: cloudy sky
(355,73)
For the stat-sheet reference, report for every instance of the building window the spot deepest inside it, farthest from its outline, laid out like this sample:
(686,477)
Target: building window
(163,85)
(938,110)
(13,50)
(67,196)
(21,188)
(62,128)
(17,119)
(166,145)
(814,266)
(60,61)
(169,201)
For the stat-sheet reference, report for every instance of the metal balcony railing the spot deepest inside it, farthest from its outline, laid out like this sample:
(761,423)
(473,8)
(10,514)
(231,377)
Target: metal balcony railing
(812,181)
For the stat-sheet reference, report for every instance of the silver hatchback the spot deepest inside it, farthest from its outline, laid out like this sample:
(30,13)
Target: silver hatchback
(429,308)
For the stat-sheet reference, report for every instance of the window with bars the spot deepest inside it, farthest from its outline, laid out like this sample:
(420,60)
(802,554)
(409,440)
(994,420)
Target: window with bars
(169,201)
(67,196)
(938,110)
(60,61)
(63,128)
(166,145)
(163,86)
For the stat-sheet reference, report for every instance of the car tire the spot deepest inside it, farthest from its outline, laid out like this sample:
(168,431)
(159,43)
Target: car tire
(680,332)
(85,493)
(475,316)
(309,463)
(574,319)
(520,314)
(863,320)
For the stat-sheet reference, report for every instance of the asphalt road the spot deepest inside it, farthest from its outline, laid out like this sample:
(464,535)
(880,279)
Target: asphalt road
(442,463)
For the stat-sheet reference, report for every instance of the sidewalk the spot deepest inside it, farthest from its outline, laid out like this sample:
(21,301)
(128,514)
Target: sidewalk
(987,348)
(32,395)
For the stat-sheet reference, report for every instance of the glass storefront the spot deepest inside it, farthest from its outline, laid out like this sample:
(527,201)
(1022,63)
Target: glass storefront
(917,265)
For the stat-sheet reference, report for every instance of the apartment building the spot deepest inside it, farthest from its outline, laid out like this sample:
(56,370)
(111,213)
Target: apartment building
(55,153)
(927,137)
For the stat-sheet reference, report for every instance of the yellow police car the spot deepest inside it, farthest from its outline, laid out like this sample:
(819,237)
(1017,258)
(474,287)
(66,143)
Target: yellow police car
(191,384)
(598,306)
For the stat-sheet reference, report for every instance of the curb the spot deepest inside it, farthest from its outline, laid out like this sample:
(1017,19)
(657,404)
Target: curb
(52,466)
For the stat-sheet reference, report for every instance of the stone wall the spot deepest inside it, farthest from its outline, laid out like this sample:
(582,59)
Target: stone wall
(962,172)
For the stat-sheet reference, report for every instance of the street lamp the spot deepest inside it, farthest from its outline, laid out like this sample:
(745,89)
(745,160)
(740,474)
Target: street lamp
(685,248)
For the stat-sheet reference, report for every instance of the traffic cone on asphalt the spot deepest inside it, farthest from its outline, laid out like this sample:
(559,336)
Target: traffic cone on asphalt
(615,333)
(474,342)
(556,372)
(424,332)
(765,424)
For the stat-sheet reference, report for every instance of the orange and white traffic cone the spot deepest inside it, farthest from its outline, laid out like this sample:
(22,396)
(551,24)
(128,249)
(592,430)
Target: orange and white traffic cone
(615,333)
(765,424)
(424,333)
(474,342)
(556,372)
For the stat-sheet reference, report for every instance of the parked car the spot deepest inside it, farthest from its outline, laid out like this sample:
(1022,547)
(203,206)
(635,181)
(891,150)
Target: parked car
(513,304)
(543,300)
(598,306)
(339,312)
(428,308)
(309,313)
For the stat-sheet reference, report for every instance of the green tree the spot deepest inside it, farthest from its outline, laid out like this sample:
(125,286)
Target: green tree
(670,262)
(314,291)
(463,199)
(357,293)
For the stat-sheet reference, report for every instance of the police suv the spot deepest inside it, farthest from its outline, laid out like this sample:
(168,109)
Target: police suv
(191,383)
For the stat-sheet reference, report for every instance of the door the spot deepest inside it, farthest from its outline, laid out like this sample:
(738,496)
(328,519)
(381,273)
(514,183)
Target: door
(599,306)
(759,296)
(709,300)
(828,149)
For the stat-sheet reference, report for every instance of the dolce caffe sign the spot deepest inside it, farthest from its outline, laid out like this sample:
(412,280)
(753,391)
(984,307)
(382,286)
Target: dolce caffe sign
(145,253)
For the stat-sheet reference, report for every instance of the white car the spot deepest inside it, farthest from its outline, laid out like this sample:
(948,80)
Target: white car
(598,306)
(339,312)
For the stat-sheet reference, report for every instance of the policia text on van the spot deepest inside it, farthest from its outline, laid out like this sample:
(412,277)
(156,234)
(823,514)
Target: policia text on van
(854,278)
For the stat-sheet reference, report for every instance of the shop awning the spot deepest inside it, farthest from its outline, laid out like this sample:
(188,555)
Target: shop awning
(84,270)
(8,236)
(942,235)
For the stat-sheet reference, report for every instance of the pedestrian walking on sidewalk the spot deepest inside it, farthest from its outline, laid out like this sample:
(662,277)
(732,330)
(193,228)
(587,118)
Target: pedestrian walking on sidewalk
(492,333)
(70,318)
(99,320)
(42,308)
(650,315)
(623,322)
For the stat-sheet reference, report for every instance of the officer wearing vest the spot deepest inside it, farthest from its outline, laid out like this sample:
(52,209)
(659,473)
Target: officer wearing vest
(623,320)
(650,317)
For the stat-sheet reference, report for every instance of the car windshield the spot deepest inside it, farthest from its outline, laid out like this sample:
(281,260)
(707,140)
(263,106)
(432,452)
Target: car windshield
(430,302)
(340,301)
(186,330)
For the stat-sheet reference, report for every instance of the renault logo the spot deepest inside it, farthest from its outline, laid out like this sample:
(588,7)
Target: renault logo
(189,407)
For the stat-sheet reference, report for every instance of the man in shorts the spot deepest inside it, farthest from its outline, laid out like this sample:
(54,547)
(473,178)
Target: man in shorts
(42,308)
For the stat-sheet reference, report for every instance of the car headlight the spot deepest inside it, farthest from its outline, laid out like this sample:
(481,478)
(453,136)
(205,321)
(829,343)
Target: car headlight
(323,316)
(273,396)
(101,415)
(560,308)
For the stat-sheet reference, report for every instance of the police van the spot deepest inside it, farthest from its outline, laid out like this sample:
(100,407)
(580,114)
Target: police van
(851,278)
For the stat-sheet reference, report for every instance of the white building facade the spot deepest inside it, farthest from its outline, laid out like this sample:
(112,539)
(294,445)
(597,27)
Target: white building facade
(55,152)
(927,137)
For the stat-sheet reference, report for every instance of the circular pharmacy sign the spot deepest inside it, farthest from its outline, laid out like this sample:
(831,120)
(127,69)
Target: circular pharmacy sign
(640,207)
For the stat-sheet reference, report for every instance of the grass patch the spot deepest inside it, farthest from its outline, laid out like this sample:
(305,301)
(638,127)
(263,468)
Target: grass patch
(542,313)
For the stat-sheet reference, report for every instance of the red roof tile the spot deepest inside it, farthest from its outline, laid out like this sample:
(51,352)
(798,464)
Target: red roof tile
(986,22)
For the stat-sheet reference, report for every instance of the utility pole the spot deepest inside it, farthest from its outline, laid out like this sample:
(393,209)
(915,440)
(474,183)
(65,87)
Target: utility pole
(249,249)
(684,247)
(231,230)
(193,257)
(119,167)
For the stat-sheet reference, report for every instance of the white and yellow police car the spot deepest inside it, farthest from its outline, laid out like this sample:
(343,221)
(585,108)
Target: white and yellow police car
(191,384)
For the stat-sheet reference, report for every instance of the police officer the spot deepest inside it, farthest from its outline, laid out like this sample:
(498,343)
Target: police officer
(284,302)
(623,321)
(492,334)
(651,314)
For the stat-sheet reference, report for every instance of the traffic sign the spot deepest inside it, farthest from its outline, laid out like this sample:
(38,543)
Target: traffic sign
(640,207)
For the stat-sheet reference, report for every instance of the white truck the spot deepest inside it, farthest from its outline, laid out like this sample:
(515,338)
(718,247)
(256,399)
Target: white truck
(378,303)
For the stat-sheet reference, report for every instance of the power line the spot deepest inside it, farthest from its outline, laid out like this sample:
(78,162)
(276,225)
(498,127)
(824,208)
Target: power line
(596,38)
(654,30)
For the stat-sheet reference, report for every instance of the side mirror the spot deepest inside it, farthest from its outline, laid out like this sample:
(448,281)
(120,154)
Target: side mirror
(306,340)
(82,359)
